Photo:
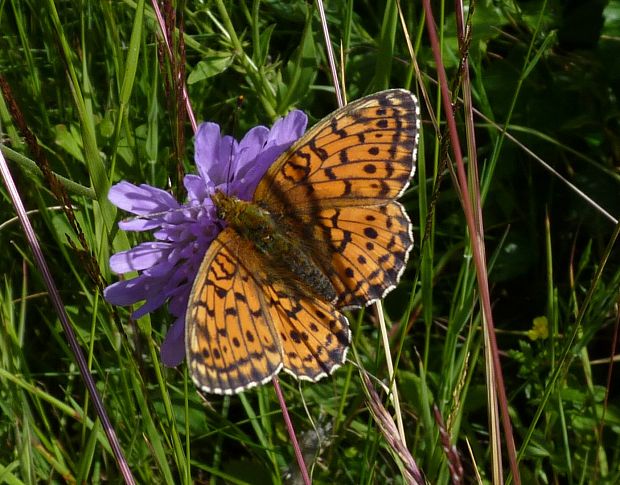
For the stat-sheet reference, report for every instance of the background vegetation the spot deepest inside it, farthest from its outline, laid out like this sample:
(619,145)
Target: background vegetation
(95,86)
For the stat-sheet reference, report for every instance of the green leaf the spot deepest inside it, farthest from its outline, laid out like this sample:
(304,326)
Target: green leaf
(211,66)
(70,141)
(300,73)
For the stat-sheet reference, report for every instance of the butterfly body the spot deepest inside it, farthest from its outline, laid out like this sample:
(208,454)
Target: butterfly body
(322,233)
(271,235)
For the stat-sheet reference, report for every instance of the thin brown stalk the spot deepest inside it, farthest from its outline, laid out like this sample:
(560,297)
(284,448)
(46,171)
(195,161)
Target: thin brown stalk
(452,454)
(331,59)
(385,423)
(612,352)
(51,179)
(464,37)
(168,44)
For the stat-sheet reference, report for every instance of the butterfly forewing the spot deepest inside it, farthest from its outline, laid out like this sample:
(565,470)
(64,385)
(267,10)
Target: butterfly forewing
(361,154)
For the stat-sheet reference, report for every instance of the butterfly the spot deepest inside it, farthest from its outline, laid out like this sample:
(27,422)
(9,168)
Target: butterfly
(323,233)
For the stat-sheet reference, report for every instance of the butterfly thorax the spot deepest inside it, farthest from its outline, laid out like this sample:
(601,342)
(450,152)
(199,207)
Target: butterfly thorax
(272,239)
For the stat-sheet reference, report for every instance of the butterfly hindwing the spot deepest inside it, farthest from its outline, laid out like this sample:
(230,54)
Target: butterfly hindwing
(243,324)
(314,335)
(369,248)
(231,342)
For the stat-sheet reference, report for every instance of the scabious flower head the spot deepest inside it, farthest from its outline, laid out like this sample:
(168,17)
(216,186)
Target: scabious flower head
(167,266)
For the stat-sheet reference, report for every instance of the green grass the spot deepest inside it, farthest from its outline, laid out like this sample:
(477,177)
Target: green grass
(91,86)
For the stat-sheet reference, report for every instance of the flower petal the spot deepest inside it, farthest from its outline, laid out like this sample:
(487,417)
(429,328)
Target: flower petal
(141,200)
(250,147)
(141,257)
(198,189)
(282,135)
(288,129)
(173,346)
(178,301)
(140,224)
(213,153)
(126,292)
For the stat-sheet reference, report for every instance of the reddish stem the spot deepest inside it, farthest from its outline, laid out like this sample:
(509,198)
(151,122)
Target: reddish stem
(291,431)
(477,237)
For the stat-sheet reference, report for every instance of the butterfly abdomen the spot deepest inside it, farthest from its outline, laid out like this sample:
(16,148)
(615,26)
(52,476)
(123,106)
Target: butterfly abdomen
(287,257)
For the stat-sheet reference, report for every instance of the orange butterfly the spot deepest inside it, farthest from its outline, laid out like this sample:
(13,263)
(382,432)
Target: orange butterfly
(322,233)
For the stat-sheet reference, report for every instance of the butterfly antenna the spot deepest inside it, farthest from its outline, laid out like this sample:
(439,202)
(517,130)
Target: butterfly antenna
(235,119)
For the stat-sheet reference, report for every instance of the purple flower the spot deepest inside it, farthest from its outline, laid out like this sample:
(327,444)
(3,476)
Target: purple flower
(167,266)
